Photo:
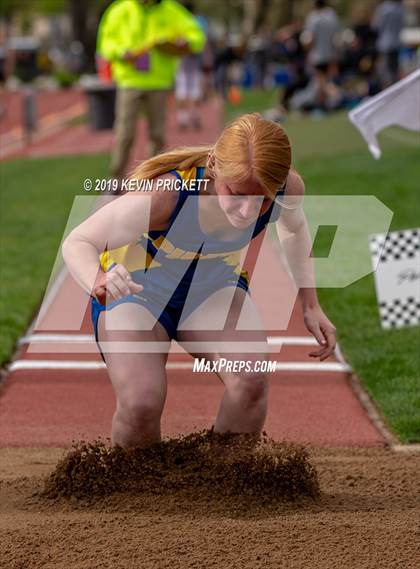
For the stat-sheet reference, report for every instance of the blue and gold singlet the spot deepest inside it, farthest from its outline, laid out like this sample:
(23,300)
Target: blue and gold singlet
(181,266)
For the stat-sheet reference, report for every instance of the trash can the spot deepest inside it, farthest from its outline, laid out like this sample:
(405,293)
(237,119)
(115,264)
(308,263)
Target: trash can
(101,102)
(23,52)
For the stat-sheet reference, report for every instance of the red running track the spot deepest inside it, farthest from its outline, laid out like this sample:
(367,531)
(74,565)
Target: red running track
(53,110)
(52,407)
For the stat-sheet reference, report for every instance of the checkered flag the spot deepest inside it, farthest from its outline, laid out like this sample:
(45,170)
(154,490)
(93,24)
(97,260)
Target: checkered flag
(396,262)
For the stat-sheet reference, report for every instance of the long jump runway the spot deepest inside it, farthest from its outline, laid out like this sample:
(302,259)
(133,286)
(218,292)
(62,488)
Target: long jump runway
(57,389)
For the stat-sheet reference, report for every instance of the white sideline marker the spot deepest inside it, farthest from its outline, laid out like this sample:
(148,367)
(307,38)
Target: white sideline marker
(86,365)
(81,338)
(340,366)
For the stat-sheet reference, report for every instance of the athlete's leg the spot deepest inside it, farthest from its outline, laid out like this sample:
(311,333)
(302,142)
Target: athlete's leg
(243,407)
(139,378)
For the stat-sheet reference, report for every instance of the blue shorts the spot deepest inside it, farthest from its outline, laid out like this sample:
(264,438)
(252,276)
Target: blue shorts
(173,313)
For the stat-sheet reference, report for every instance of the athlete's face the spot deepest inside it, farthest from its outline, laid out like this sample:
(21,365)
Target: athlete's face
(242,202)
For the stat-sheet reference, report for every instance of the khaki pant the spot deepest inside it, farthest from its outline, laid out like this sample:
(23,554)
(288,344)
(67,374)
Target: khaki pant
(128,102)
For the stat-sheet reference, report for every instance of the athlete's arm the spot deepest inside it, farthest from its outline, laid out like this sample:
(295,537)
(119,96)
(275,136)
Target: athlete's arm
(292,229)
(118,223)
(293,233)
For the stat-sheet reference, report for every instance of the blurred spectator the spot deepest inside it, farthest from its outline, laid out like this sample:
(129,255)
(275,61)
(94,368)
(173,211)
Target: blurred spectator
(321,35)
(357,62)
(226,60)
(388,22)
(189,91)
(189,83)
(143,39)
(289,47)
(311,98)
(77,60)
(257,56)
(365,37)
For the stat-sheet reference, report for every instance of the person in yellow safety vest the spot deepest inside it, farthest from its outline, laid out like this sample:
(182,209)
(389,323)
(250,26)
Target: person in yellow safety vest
(144,40)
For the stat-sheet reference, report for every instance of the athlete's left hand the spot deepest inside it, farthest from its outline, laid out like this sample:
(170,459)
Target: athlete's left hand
(322,329)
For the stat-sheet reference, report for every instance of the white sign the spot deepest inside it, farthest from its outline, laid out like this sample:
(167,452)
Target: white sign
(396,265)
(397,105)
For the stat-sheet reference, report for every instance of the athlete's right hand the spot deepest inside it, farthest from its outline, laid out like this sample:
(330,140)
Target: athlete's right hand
(114,284)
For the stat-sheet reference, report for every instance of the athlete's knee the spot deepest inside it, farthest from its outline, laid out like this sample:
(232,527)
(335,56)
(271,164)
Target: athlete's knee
(251,388)
(139,411)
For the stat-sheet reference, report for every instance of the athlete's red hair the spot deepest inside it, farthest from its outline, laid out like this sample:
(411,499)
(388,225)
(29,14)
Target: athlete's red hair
(249,145)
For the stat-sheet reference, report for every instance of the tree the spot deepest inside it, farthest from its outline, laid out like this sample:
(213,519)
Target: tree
(84,16)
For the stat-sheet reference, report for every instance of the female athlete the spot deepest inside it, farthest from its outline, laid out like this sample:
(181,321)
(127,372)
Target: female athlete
(165,264)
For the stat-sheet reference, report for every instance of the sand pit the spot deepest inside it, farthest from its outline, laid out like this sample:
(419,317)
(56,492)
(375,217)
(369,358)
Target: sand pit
(228,465)
(365,515)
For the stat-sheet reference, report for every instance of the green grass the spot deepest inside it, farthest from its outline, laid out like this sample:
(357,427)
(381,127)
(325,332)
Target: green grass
(334,160)
(35,200)
(251,101)
(386,361)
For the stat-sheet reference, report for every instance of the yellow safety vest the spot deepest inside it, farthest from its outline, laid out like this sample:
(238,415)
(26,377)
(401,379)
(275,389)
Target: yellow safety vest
(127,25)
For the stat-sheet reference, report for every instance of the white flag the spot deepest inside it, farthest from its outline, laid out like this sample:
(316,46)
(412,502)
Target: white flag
(396,105)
